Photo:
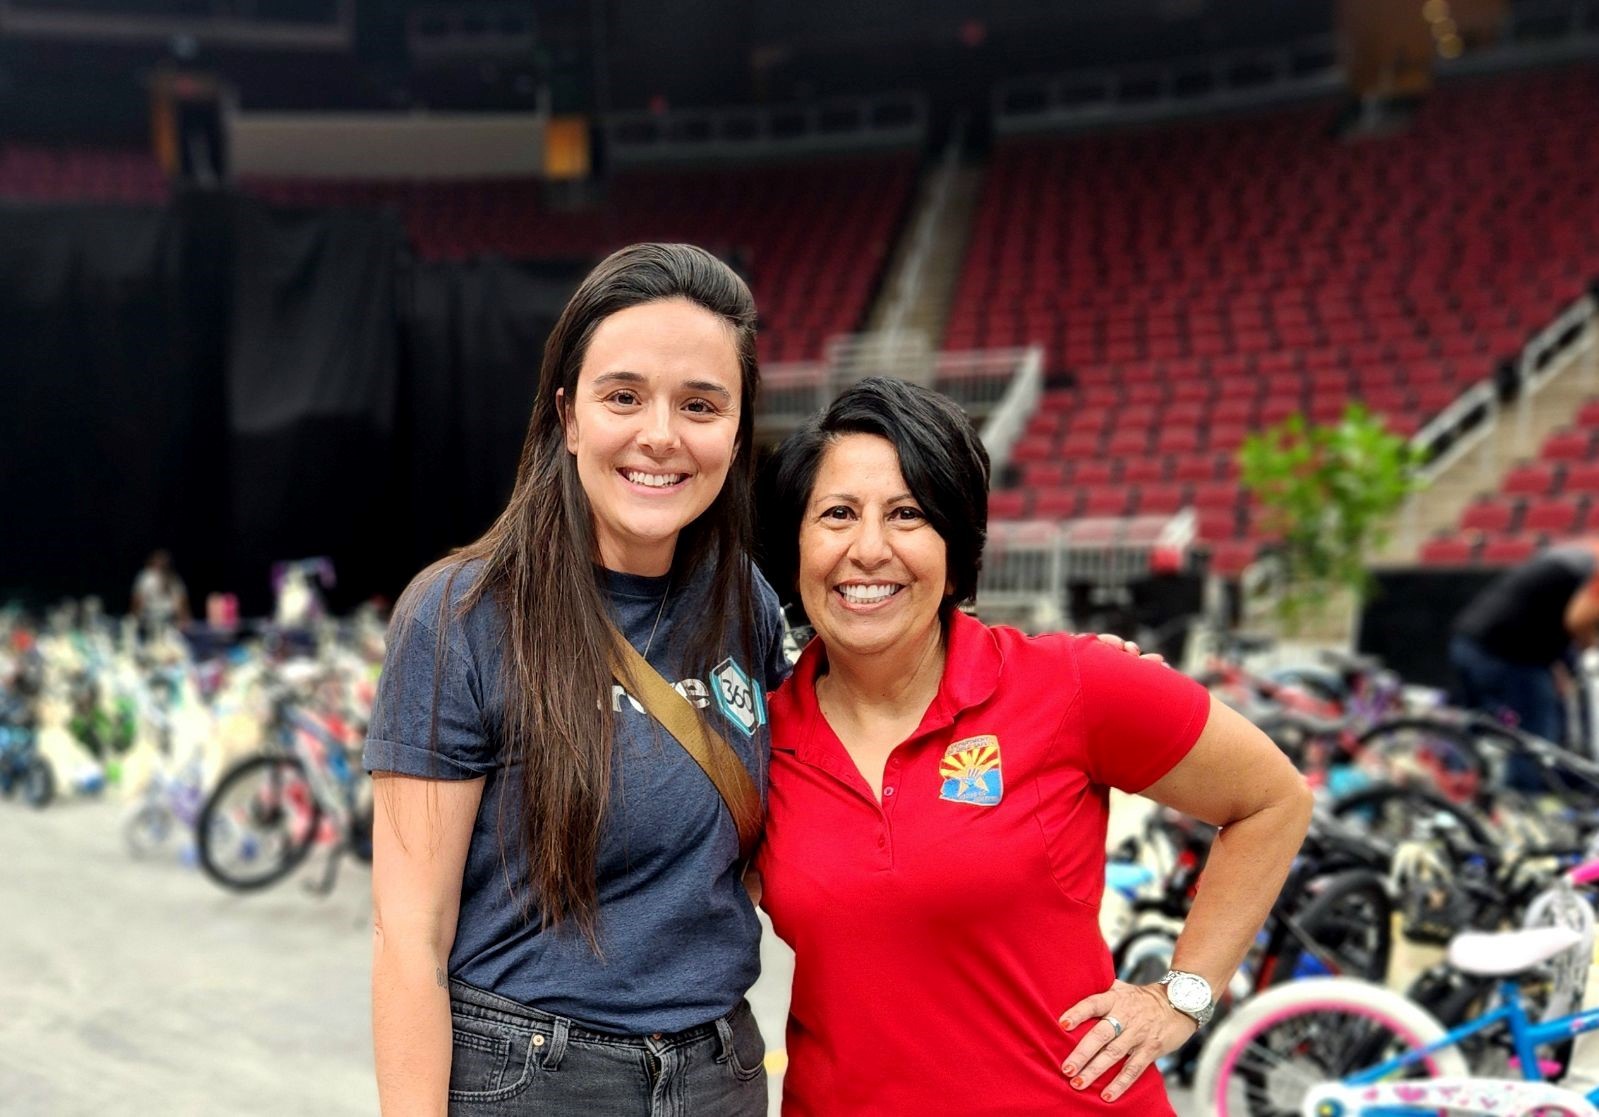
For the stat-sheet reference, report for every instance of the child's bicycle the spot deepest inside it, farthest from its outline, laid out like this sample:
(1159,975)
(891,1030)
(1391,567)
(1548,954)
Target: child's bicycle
(1390,1058)
(267,811)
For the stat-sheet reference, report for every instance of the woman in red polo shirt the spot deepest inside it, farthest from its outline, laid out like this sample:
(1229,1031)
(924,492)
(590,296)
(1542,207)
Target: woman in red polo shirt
(935,839)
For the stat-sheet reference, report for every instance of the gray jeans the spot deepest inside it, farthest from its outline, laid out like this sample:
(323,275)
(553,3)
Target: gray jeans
(508,1059)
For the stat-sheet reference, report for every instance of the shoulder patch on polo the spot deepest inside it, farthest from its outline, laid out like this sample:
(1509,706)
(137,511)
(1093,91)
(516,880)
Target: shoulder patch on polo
(738,696)
(971,772)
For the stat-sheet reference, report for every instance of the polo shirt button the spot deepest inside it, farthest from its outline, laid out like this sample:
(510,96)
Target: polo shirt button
(881,841)
(888,791)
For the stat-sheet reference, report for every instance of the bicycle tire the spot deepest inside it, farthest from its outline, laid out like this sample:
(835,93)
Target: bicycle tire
(146,830)
(213,822)
(1240,1076)
(1327,920)
(38,783)
(1456,767)
(1148,950)
(1379,797)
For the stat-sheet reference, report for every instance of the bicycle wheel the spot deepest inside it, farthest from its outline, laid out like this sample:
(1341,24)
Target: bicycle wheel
(146,830)
(1426,753)
(1263,1061)
(38,783)
(1348,915)
(1395,813)
(1144,956)
(259,823)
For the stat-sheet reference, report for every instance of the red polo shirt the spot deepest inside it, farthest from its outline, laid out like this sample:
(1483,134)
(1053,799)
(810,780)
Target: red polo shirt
(940,933)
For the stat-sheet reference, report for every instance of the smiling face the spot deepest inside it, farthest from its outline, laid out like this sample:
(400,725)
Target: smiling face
(872,571)
(653,425)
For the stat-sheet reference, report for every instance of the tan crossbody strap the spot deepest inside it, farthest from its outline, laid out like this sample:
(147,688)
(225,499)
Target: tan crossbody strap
(708,749)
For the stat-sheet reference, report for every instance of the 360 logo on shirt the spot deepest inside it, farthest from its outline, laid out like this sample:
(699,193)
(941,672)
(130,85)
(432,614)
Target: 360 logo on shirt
(971,772)
(738,696)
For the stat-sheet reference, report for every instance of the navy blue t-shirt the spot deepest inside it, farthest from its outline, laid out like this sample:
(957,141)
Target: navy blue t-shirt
(679,936)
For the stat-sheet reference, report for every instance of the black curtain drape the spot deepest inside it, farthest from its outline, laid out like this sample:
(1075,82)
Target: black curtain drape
(241,384)
(311,382)
(472,336)
(111,420)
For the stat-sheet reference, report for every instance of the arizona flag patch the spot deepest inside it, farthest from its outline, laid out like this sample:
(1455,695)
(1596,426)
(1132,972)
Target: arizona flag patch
(971,772)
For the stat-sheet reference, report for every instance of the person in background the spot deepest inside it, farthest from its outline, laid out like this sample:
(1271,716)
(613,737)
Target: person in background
(159,597)
(935,841)
(1511,643)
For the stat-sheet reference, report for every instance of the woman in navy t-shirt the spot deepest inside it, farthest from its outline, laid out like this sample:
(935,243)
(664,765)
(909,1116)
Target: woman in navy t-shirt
(560,925)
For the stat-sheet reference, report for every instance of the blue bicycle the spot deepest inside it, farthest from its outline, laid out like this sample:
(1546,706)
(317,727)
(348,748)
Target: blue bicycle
(1339,1047)
(22,769)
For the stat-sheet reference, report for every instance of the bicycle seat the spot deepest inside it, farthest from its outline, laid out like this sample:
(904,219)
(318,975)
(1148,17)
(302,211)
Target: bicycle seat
(1502,953)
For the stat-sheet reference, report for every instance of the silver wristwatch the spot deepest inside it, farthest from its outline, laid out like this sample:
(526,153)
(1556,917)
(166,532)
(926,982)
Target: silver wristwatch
(1190,995)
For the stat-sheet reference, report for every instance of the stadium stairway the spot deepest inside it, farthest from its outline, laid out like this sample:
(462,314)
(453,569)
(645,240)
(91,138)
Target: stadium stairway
(1482,469)
(939,260)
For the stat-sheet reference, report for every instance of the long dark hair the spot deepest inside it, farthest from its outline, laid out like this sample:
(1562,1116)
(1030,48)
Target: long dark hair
(540,566)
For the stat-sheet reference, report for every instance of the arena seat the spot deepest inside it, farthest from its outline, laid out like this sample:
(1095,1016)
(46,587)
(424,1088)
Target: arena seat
(1450,550)
(1531,478)
(1187,299)
(1569,444)
(1554,497)
(1491,515)
(1508,550)
(812,243)
(36,173)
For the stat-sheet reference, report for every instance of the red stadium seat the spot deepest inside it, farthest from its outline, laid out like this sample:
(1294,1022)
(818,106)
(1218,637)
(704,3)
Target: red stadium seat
(1491,515)
(1449,550)
(1556,515)
(1008,504)
(1109,500)
(1056,504)
(1531,479)
(1569,444)
(1160,500)
(1092,473)
(1144,470)
(1508,550)
(1231,559)
(1581,477)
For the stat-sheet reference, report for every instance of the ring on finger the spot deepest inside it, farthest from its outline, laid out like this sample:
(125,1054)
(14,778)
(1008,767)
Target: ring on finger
(1114,1023)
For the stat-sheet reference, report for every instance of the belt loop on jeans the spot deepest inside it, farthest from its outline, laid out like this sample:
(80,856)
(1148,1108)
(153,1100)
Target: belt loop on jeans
(724,1033)
(561,1030)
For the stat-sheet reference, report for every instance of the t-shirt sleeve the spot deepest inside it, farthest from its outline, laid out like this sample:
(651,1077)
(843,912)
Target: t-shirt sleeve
(428,717)
(1138,718)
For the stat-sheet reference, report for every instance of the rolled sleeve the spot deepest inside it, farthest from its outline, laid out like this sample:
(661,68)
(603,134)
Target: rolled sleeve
(429,717)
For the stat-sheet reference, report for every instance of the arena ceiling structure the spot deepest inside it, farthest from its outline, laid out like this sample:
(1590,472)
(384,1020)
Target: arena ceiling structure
(79,68)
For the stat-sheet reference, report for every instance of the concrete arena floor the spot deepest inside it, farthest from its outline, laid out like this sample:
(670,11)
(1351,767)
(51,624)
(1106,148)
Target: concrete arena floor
(132,988)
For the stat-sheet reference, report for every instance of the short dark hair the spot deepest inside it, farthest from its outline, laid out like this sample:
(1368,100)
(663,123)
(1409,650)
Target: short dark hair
(941,458)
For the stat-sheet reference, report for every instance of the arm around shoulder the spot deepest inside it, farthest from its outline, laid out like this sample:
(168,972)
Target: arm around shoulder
(422,829)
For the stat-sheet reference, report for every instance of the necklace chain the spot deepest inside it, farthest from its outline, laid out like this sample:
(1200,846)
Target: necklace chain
(660,609)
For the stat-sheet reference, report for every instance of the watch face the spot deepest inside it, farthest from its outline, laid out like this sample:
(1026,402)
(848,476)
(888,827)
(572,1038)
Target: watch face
(1188,993)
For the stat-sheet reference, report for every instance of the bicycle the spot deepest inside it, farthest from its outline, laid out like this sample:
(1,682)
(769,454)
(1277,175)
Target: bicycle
(268,810)
(1388,1057)
(22,769)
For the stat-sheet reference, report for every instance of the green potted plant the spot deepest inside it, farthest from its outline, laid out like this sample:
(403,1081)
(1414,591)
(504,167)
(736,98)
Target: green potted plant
(1330,492)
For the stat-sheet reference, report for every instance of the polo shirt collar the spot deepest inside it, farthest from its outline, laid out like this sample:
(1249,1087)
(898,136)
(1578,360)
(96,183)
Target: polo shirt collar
(972,665)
